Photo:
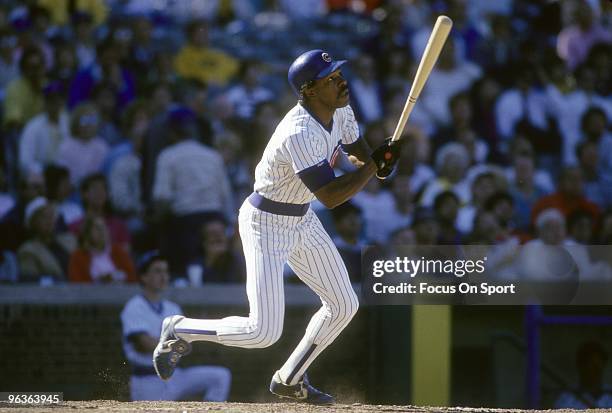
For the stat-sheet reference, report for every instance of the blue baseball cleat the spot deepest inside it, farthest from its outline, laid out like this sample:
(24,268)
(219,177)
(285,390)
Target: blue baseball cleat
(301,392)
(170,349)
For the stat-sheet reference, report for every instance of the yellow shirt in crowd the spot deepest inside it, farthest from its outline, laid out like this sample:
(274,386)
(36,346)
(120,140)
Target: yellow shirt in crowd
(58,10)
(21,103)
(209,66)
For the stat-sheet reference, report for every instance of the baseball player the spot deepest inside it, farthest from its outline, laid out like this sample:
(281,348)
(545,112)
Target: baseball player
(141,319)
(277,226)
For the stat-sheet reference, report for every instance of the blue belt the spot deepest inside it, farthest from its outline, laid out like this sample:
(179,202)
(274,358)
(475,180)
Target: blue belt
(278,208)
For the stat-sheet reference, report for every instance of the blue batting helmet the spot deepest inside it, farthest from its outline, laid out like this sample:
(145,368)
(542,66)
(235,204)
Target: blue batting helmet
(314,64)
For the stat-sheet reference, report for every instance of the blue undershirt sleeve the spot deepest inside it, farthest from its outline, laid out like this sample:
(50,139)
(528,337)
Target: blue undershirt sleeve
(317,176)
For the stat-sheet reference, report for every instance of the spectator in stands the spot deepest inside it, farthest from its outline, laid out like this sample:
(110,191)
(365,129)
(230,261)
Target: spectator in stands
(62,11)
(124,165)
(263,125)
(84,39)
(94,196)
(141,319)
(569,101)
(377,204)
(398,70)
(485,229)
(601,63)
(197,60)
(239,171)
(483,186)
(420,119)
(596,128)
(210,116)
(483,94)
(401,236)
(496,52)
(191,183)
(524,189)
(220,262)
(460,129)
(551,229)
(58,189)
(541,177)
(121,34)
(465,31)
(569,196)
(107,70)
(501,204)
(161,71)
(38,32)
(447,78)
(591,393)
(425,227)
(446,207)
(248,92)
(594,124)
(523,109)
(402,192)
(348,223)
(366,91)
(98,259)
(415,159)
(24,95)
(160,100)
(580,227)
(577,38)
(452,161)
(12,224)
(9,67)
(45,253)
(44,133)
(83,152)
(104,96)
(143,47)
(65,64)
(587,154)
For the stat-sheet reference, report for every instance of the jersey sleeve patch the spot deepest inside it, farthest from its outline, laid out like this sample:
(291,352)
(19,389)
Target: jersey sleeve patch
(317,176)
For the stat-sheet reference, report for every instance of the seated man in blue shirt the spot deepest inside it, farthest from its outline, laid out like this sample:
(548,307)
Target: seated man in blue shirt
(142,319)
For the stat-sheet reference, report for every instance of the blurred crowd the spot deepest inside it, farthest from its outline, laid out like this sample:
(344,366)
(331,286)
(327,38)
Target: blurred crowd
(133,125)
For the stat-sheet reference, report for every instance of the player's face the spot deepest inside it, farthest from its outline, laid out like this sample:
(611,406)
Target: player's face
(333,90)
(157,276)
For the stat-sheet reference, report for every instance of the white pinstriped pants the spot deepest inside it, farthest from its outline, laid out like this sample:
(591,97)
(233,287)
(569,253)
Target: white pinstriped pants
(270,241)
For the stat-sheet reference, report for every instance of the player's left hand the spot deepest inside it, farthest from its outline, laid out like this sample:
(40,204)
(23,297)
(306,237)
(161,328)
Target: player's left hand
(385,157)
(355,161)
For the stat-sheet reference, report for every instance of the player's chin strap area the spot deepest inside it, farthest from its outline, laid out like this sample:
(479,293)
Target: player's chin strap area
(278,208)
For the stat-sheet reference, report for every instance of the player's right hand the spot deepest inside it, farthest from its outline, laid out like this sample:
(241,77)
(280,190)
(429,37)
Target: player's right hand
(385,157)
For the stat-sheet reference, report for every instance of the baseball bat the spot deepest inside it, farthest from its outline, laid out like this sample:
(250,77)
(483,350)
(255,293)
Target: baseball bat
(428,60)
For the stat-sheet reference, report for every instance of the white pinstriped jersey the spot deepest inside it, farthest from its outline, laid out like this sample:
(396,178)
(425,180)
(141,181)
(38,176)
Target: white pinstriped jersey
(300,142)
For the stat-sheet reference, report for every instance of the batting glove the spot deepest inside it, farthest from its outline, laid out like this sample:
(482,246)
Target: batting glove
(385,157)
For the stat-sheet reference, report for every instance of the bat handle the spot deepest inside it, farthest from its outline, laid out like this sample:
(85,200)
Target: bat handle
(399,128)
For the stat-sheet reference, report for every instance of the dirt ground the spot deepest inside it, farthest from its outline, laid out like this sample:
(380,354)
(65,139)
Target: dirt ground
(115,406)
